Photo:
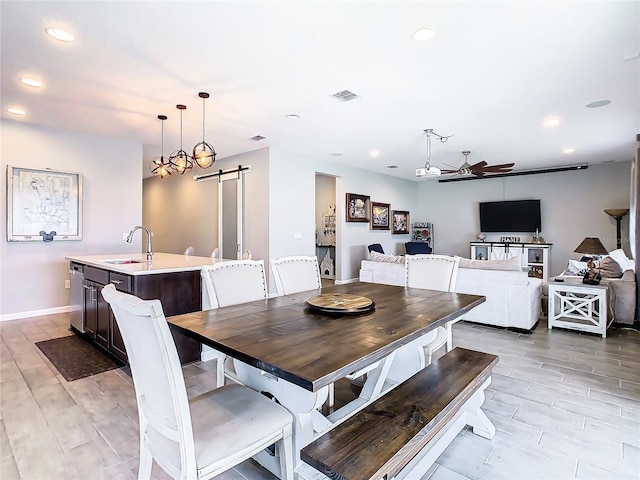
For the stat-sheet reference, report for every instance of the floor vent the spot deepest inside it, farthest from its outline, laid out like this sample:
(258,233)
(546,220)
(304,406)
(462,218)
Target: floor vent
(257,138)
(345,95)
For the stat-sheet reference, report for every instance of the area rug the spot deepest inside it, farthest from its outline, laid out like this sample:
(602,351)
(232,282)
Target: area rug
(76,358)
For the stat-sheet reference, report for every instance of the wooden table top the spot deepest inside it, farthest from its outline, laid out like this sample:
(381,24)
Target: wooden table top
(283,336)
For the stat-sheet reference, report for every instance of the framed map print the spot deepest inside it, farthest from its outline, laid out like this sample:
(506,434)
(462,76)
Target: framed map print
(43,205)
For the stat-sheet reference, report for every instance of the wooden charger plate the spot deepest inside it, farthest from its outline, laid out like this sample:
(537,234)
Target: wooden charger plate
(340,303)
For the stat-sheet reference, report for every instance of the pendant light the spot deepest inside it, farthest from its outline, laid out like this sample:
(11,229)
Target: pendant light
(203,153)
(180,161)
(160,166)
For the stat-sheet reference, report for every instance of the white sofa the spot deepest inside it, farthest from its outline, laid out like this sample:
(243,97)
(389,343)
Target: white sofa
(513,298)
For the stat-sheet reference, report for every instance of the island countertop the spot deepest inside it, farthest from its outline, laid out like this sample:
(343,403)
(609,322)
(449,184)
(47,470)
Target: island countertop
(161,263)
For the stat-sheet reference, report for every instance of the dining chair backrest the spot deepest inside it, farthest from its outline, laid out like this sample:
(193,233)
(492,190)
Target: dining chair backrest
(432,272)
(161,393)
(247,255)
(233,423)
(296,274)
(189,251)
(234,281)
(216,253)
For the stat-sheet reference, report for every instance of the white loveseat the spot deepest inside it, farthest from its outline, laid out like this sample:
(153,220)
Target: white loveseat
(513,298)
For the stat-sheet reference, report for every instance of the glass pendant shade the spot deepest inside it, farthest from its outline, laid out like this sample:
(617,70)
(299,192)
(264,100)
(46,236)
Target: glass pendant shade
(203,153)
(159,165)
(180,161)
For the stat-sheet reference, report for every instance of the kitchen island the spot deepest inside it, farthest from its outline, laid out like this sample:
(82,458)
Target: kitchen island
(173,279)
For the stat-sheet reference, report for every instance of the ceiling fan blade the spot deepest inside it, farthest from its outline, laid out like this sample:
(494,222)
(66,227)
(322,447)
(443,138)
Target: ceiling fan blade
(495,170)
(478,173)
(448,171)
(503,165)
(477,166)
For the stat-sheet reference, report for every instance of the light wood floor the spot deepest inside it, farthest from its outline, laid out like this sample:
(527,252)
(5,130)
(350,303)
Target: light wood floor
(565,405)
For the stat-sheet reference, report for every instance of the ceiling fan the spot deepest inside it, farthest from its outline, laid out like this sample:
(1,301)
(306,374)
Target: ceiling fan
(480,168)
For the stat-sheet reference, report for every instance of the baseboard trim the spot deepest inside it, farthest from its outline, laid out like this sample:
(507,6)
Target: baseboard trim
(349,280)
(34,313)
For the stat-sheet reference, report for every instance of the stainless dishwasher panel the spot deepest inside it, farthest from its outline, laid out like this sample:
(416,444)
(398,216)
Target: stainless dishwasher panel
(76,275)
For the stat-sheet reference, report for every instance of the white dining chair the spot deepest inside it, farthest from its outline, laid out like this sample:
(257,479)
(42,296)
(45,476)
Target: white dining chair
(433,272)
(247,255)
(196,438)
(230,283)
(296,274)
(189,251)
(216,253)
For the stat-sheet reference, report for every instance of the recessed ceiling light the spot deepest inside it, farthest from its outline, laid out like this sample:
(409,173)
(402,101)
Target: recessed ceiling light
(423,34)
(31,82)
(568,150)
(551,122)
(598,103)
(59,34)
(392,166)
(374,153)
(292,116)
(16,111)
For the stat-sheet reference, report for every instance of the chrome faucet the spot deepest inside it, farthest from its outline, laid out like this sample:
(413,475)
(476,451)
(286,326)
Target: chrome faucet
(142,227)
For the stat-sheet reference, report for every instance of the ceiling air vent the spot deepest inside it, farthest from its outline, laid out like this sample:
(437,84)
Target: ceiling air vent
(345,95)
(257,138)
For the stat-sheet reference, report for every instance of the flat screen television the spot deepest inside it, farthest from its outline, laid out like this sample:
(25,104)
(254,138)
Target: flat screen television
(510,216)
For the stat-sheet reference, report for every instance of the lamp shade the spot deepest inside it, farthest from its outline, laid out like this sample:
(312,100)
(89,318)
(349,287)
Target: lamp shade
(592,246)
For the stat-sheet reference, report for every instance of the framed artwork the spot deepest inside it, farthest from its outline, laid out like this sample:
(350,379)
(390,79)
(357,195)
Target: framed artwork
(43,205)
(380,216)
(357,208)
(400,222)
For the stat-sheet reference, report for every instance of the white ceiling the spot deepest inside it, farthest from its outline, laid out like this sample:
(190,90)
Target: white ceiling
(490,76)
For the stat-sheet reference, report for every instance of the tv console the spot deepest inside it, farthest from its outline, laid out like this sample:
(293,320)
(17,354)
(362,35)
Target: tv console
(534,257)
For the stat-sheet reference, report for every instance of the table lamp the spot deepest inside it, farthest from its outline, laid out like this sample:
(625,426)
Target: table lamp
(591,246)
(617,213)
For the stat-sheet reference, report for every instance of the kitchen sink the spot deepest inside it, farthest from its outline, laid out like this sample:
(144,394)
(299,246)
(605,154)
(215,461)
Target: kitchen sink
(122,261)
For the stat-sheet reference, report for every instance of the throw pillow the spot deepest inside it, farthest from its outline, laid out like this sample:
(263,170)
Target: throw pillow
(383,257)
(609,268)
(576,267)
(624,262)
(510,264)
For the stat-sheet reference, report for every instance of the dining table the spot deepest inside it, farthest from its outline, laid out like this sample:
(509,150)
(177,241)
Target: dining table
(292,350)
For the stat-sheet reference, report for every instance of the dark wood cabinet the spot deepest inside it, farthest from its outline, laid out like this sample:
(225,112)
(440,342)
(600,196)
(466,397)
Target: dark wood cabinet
(179,292)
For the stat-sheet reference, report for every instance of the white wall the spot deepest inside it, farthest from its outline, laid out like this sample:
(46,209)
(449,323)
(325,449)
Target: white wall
(292,207)
(33,274)
(572,208)
(182,212)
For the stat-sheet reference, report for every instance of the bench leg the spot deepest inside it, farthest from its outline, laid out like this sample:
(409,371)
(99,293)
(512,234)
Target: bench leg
(469,414)
(476,418)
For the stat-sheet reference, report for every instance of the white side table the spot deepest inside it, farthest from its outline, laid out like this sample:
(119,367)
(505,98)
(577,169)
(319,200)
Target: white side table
(577,306)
